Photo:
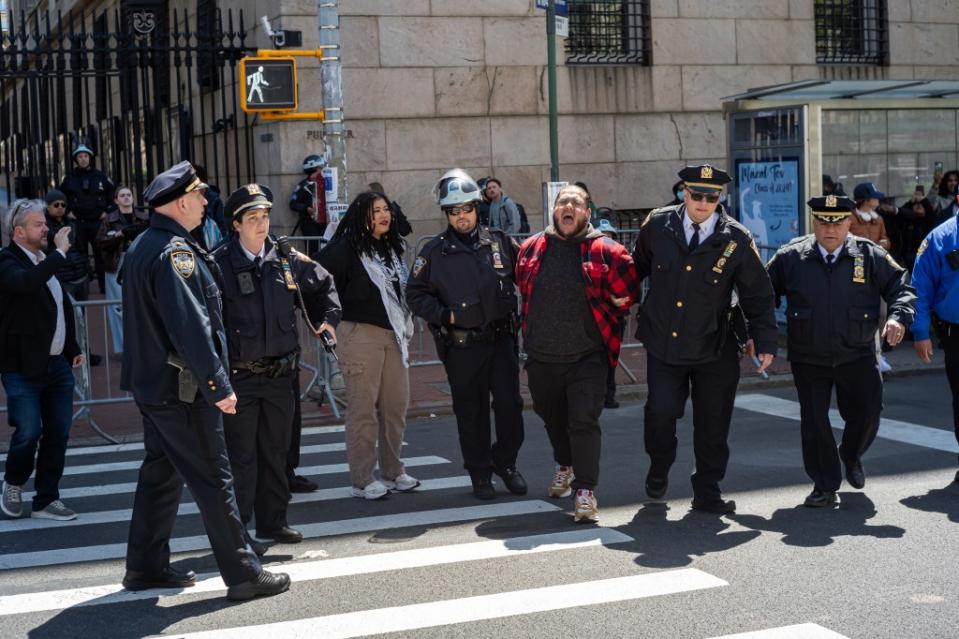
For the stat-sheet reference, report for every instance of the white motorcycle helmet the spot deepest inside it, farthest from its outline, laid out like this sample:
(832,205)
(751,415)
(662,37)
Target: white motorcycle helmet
(456,187)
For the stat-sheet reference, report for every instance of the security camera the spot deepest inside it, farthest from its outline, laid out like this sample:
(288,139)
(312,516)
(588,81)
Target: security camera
(278,37)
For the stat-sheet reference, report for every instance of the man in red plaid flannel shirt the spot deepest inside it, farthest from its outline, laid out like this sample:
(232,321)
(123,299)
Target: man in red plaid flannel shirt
(577,286)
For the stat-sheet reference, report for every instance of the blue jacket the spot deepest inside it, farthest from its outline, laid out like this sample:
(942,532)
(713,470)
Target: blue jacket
(936,283)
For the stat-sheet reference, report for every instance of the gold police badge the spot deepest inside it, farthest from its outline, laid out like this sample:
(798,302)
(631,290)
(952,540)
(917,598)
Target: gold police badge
(706,173)
(859,270)
(832,201)
(184,263)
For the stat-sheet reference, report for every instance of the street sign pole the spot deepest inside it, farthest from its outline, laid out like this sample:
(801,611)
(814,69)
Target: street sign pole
(551,90)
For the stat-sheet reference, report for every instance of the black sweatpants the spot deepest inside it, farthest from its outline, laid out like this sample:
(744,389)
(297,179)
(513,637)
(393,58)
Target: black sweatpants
(185,443)
(476,372)
(258,442)
(569,399)
(713,386)
(859,397)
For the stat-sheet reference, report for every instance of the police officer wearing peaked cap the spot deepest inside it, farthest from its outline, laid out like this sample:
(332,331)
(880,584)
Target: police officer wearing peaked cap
(462,284)
(694,255)
(260,281)
(833,283)
(175,364)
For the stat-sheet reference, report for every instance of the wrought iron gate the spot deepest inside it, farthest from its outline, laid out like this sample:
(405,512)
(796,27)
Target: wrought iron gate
(142,86)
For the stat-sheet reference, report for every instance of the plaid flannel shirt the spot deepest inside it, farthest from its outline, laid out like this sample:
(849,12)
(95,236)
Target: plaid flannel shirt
(608,272)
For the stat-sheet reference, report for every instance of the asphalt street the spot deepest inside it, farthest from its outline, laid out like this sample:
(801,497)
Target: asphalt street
(438,563)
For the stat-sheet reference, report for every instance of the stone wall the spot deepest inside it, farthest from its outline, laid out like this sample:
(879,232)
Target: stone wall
(430,84)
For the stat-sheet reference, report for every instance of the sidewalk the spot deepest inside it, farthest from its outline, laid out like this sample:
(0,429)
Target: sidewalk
(429,391)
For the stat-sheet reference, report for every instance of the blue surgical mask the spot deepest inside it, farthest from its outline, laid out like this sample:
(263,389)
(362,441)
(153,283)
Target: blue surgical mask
(679,195)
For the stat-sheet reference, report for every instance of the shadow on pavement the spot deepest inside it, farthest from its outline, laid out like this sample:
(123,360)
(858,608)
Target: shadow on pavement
(937,500)
(665,543)
(808,527)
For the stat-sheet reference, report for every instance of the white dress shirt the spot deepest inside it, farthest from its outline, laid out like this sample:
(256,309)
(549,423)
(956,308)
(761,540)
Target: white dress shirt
(825,253)
(253,257)
(706,227)
(60,334)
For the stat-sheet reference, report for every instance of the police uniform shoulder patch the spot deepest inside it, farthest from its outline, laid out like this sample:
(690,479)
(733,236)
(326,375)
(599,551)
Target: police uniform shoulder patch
(302,257)
(418,265)
(184,263)
(922,247)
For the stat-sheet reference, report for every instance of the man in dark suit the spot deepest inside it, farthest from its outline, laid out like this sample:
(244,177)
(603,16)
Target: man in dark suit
(37,350)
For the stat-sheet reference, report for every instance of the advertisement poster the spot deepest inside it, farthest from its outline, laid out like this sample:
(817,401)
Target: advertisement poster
(769,200)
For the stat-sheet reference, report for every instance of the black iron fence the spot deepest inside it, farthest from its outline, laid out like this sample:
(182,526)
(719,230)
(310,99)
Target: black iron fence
(851,32)
(142,87)
(608,32)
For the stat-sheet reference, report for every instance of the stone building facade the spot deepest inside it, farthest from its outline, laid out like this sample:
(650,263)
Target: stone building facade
(432,84)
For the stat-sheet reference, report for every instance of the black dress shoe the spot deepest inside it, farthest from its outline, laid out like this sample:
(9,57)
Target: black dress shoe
(821,498)
(265,584)
(257,547)
(513,480)
(855,475)
(482,485)
(300,484)
(716,505)
(656,486)
(167,578)
(284,535)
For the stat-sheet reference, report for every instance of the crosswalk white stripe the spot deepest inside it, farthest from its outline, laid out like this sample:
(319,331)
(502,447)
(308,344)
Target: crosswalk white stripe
(133,446)
(190,508)
(891,429)
(800,631)
(89,469)
(326,569)
(327,469)
(62,556)
(483,607)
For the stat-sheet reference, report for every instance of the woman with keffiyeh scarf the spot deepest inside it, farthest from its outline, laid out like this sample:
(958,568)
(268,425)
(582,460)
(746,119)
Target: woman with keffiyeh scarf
(365,259)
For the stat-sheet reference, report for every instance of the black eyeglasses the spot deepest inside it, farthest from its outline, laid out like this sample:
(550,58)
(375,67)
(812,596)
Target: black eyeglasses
(712,198)
(462,209)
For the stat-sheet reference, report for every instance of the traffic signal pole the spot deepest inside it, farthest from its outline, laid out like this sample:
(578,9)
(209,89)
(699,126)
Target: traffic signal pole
(551,91)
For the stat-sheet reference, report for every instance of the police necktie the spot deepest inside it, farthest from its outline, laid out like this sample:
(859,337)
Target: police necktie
(257,264)
(829,261)
(694,240)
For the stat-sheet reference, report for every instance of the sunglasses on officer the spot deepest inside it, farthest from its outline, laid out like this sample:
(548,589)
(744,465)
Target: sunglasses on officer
(462,209)
(712,198)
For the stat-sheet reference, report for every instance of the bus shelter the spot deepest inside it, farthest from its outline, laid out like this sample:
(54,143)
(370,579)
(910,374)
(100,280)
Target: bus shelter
(784,141)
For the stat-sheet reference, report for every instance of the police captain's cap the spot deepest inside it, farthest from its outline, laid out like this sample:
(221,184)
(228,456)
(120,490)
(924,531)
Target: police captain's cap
(172,184)
(704,178)
(245,198)
(831,208)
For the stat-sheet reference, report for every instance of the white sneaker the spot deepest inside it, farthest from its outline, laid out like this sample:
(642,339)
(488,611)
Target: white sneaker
(884,365)
(585,507)
(54,510)
(11,502)
(374,490)
(402,484)
(561,482)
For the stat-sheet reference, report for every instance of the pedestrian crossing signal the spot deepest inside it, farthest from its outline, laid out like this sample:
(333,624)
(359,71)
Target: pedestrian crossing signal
(268,85)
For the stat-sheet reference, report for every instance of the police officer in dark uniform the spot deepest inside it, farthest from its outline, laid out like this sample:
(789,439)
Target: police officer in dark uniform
(261,278)
(833,283)
(175,364)
(695,255)
(308,201)
(462,284)
(89,196)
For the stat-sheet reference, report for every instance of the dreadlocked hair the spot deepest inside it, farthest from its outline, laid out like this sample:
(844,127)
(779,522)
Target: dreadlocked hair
(356,222)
